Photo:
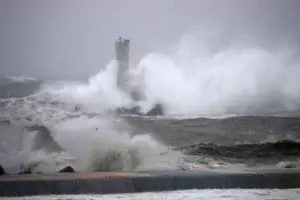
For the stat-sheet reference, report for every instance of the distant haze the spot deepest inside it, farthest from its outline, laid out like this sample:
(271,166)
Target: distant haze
(75,38)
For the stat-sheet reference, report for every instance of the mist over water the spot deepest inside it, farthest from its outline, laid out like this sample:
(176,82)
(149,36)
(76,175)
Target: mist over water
(197,80)
(197,77)
(100,138)
(98,95)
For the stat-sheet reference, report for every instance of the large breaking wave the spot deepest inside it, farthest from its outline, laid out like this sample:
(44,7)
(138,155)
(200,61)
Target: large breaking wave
(196,79)
(193,79)
(87,144)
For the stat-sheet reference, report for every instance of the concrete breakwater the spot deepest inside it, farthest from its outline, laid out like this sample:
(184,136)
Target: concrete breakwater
(155,181)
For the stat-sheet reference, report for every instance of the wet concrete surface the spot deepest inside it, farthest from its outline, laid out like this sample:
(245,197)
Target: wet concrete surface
(132,182)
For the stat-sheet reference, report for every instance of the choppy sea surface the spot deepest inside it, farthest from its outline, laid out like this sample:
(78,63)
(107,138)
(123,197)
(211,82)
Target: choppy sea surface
(236,108)
(220,112)
(42,124)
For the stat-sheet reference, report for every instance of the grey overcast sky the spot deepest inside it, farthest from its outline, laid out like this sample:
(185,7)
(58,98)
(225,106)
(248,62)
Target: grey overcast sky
(74,38)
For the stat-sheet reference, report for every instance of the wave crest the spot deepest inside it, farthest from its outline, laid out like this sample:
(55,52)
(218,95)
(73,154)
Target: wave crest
(279,149)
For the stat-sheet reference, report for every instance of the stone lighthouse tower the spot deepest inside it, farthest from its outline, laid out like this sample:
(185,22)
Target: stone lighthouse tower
(123,77)
(122,57)
(136,92)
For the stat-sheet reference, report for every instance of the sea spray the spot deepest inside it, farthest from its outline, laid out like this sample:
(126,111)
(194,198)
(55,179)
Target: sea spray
(235,80)
(193,80)
(198,78)
(104,147)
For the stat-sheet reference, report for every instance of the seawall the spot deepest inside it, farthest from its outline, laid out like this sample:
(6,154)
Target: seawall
(130,182)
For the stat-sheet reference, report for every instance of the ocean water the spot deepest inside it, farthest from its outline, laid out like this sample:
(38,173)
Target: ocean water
(237,107)
(231,194)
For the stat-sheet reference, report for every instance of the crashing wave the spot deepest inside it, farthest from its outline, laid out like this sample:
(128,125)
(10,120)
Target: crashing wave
(48,150)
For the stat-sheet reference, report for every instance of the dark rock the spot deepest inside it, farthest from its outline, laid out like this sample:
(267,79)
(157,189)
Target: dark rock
(129,111)
(5,121)
(1,170)
(28,171)
(290,165)
(67,169)
(28,118)
(157,110)
(287,165)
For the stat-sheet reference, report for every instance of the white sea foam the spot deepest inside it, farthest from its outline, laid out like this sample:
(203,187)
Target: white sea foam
(192,80)
(195,79)
(217,194)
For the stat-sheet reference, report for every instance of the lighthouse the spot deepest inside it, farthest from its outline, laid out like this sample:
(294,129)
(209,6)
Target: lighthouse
(122,58)
(124,80)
